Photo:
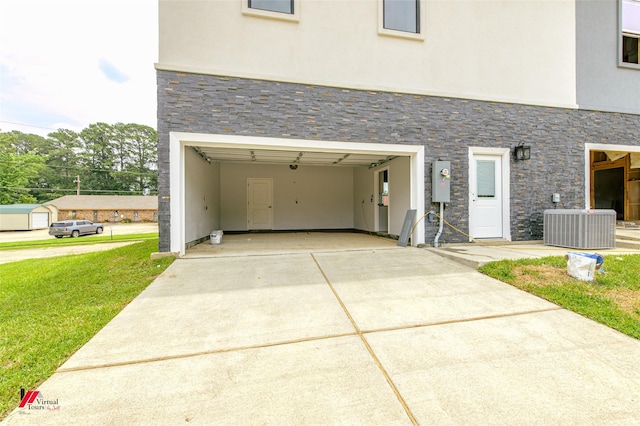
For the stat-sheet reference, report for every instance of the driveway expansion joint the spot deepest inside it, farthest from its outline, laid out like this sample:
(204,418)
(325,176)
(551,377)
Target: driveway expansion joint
(463,320)
(373,355)
(201,353)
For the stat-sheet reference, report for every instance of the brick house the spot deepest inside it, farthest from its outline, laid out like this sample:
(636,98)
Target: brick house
(107,208)
(296,114)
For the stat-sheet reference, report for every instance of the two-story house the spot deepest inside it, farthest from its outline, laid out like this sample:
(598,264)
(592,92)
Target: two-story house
(327,114)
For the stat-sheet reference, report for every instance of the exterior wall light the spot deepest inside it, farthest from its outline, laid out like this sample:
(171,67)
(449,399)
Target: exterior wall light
(522,152)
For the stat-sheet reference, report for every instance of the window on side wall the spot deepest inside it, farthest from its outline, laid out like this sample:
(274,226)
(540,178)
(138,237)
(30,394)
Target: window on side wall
(402,15)
(285,10)
(400,18)
(281,6)
(630,26)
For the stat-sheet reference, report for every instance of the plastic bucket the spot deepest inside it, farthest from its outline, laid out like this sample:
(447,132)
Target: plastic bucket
(216,237)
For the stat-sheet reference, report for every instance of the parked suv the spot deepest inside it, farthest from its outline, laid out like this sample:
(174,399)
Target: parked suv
(74,228)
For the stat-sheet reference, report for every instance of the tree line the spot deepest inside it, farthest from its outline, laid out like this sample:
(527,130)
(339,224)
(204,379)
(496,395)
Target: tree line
(105,159)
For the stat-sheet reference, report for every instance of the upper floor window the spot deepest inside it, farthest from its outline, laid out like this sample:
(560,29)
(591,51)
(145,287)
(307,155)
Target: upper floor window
(281,6)
(400,18)
(401,15)
(284,10)
(630,20)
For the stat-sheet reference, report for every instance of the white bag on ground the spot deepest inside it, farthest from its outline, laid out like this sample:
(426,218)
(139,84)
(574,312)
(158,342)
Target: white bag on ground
(581,266)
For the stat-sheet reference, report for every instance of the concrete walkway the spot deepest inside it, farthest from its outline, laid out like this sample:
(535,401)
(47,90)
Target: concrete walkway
(361,333)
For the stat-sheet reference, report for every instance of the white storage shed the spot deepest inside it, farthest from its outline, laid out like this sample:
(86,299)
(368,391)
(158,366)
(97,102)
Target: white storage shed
(26,217)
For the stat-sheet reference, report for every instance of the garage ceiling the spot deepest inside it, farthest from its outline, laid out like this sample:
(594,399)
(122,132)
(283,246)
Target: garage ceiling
(309,158)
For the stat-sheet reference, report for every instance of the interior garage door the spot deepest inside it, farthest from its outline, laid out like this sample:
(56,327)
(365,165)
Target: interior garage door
(39,220)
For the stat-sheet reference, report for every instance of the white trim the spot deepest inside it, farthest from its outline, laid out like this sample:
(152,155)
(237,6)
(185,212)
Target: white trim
(588,147)
(177,194)
(179,140)
(505,153)
(419,36)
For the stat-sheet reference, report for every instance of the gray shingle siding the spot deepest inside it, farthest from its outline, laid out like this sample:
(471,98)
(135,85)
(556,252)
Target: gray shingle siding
(447,127)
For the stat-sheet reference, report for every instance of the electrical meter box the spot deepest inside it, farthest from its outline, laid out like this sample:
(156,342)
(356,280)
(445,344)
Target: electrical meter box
(441,182)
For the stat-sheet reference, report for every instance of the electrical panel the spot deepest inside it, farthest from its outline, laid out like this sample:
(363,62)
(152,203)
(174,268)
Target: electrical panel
(441,182)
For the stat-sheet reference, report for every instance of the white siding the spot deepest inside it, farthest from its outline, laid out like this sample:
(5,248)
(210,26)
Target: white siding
(14,222)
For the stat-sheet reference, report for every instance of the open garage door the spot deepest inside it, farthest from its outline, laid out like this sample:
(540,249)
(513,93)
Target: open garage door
(316,185)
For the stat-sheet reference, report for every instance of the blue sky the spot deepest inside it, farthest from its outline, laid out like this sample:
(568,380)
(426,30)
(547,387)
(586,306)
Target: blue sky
(67,64)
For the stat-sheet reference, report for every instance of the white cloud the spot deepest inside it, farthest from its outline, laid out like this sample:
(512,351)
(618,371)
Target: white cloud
(51,55)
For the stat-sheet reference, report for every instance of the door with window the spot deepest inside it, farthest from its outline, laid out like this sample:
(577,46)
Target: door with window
(259,203)
(382,224)
(485,186)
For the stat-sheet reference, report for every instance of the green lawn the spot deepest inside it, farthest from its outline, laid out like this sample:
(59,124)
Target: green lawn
(50,307)
(84,240)
(613,298)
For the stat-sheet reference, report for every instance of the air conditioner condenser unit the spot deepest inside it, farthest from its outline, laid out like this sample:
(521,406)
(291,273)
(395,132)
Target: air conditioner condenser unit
(582,229)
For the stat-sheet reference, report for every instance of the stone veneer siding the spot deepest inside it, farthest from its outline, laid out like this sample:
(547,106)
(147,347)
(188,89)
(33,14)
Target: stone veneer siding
(447,127)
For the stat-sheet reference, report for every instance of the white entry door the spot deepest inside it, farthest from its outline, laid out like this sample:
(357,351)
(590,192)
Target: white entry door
(485,186)
(259,203)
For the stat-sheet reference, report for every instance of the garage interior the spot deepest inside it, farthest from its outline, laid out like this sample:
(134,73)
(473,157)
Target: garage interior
(615,183)
(244,188)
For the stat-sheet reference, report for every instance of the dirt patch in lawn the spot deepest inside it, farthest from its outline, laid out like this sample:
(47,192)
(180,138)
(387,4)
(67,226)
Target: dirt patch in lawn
(541,275)
(627,300)
(546,275)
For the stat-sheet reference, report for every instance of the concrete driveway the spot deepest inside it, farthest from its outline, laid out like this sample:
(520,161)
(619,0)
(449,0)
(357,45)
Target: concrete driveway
(358,334)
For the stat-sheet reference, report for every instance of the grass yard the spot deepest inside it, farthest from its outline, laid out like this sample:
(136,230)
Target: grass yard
(50,307)
(613,298)
(84,240)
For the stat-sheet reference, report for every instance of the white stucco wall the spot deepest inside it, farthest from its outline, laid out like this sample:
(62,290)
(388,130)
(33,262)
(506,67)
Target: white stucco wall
(502,50)
(202,196)
(399,193)
(324,196)
(363,206)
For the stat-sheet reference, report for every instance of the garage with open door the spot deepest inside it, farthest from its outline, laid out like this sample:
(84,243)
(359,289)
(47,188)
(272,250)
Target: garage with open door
(243,184)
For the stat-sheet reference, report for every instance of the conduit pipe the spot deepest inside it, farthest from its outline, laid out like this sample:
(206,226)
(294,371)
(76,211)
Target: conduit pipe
(440,228)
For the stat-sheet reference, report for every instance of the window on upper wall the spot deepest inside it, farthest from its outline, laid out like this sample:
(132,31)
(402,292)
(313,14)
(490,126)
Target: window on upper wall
(281,6)
(630,26)
(401,15)
(284,10)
